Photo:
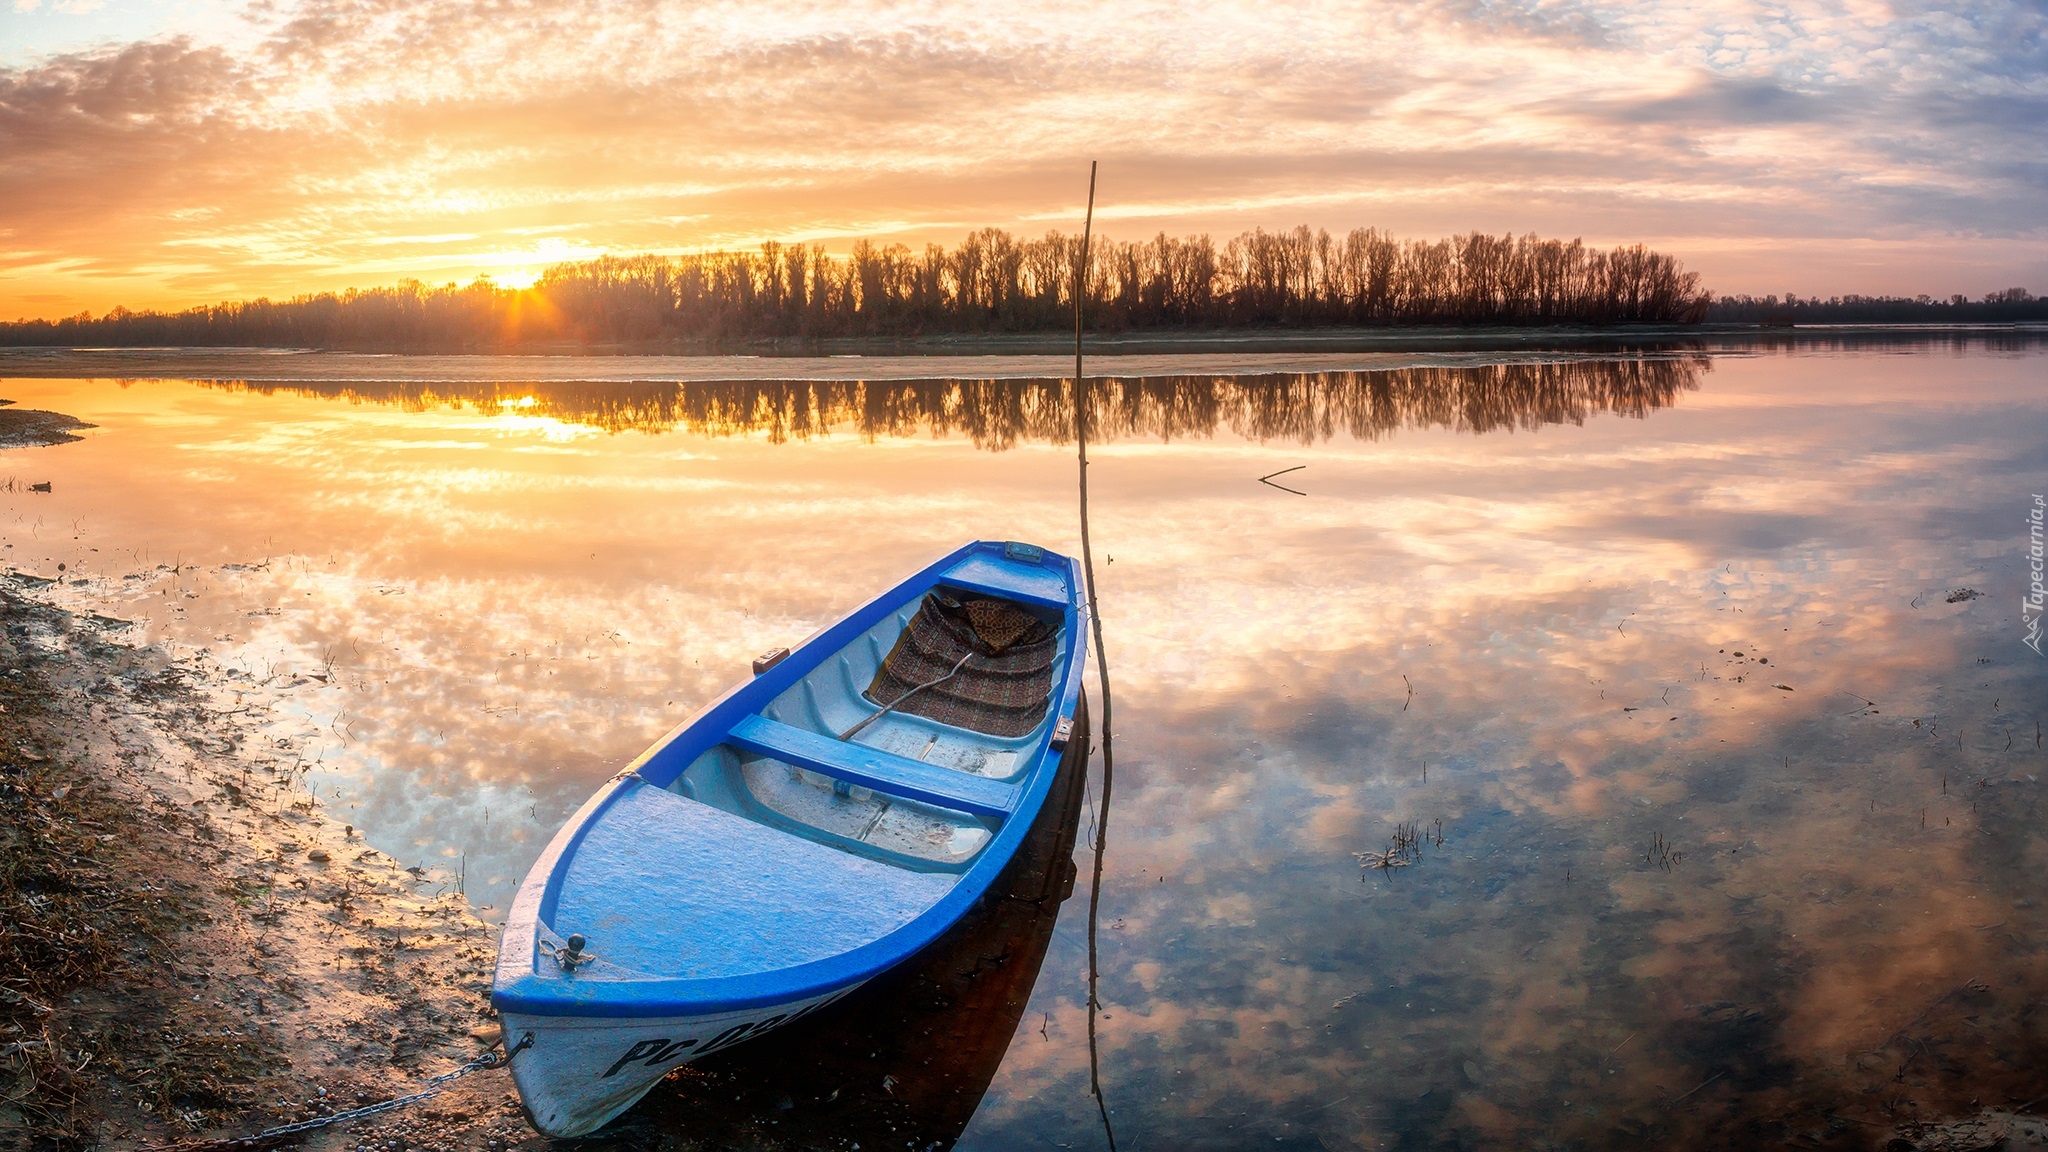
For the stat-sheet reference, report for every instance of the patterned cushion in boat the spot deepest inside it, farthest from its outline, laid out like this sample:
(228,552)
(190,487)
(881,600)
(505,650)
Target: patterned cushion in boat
(1002,690)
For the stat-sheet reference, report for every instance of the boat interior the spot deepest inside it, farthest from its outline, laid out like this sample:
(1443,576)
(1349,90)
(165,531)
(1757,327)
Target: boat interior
(846,834)
(907,789)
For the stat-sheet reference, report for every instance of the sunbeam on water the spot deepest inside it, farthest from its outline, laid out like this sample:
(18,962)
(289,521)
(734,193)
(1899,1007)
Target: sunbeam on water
(1596,752)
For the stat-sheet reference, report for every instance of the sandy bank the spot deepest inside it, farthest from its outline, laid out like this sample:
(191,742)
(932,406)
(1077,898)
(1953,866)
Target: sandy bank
(192,947)
(197,951)
(27,427)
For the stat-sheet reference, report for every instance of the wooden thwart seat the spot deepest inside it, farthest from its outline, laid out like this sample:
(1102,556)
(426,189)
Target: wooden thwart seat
(884,772)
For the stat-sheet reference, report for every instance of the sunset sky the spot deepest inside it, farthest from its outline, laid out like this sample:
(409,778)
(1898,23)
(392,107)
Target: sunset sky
(162,154)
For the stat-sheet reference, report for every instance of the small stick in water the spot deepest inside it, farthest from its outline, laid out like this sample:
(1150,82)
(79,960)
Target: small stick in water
(1700,1085)
(1267,479)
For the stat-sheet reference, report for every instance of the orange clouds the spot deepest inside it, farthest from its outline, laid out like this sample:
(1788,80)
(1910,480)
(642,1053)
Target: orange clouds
(283,148)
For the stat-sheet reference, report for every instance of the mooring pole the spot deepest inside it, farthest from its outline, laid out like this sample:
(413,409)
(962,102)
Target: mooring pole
(1081,412)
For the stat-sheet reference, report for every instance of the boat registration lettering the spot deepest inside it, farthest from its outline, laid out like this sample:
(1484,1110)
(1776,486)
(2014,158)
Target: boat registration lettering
(654,1053)
(737,1033)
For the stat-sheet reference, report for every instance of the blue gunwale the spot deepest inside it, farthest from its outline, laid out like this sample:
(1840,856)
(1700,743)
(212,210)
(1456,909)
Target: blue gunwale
(520,988)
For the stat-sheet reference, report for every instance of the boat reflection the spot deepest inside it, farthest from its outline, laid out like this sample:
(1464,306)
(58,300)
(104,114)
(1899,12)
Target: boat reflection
(905,1061)
(996,414)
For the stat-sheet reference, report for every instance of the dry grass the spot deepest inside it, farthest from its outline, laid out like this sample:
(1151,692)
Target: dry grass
(92,1026)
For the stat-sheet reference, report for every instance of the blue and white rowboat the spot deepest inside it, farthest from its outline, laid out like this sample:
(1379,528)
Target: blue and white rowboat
(809,830)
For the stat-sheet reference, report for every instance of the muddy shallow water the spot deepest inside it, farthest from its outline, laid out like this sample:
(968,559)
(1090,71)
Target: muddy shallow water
(1703,676)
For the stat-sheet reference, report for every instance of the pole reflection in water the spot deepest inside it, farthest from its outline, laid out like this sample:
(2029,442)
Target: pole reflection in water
(905,1061)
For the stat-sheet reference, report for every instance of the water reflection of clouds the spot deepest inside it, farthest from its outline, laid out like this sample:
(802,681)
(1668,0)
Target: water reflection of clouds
(1605,765)
(1528,588)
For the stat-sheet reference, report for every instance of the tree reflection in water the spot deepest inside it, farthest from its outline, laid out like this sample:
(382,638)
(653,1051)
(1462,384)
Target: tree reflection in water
(1302,408)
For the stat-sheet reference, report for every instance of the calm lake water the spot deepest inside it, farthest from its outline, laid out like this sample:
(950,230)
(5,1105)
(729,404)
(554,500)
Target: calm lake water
(1703,674)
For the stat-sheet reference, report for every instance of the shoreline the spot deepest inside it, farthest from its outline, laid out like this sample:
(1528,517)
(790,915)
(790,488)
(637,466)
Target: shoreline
(200,951)
(980,356)
(271,969)
(31,428)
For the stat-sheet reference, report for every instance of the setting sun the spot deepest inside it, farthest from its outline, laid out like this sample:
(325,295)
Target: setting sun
(320,144)
(562,558)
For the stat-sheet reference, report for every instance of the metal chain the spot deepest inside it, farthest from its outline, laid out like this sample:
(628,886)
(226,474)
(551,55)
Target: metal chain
(435,1087)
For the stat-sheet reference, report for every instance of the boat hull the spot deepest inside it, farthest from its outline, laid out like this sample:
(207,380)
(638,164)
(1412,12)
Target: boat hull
(578,1073)
(873,1052)
(782,848)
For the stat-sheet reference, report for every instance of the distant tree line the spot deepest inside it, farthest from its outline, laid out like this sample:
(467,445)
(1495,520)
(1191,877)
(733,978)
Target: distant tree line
(1304,408)
(2009,306)
(991,282)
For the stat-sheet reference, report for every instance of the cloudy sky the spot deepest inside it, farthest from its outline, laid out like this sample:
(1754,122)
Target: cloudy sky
(159,154)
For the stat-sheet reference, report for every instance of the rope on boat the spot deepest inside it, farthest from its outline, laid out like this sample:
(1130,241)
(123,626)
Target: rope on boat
(850,733)
(271,1136)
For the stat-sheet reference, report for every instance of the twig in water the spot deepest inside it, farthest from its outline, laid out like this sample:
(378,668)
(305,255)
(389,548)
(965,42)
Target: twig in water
(1267,479)
(1660,853)
(1383,861)
(1321,1108)
(1700,1085)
